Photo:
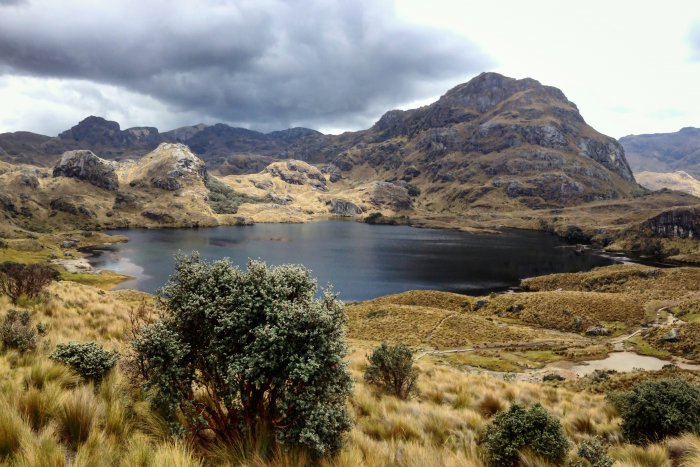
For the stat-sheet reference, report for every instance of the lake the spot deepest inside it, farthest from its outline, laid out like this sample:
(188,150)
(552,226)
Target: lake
(362,261)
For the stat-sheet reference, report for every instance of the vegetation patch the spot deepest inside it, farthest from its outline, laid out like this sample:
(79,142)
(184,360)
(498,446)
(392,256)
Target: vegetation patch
(653,410)
(225,200)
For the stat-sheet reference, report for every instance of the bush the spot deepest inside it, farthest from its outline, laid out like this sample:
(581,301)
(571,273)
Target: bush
(391,370)
(595,452)
(89,360)
(17,280)
(267,353)
(223,199)
(652,410)
(17,332)
(518,428)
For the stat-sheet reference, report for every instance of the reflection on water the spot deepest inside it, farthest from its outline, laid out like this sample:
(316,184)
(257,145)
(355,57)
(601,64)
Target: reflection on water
(362,261)
(626,361)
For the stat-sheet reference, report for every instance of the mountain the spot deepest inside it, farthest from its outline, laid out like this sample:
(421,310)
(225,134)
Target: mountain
(168,187)
(493,152)
(665,152)
(679,180)
(490,141)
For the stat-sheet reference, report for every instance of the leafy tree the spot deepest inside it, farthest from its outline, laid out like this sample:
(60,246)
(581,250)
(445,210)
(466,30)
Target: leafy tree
(89,359)
(652,410)
(391,370)
(520,428)
(246,352)
(17,332)
(17,280)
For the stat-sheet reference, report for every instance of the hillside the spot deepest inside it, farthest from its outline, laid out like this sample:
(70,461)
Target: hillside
(664,152)
(491,153)
(169,186)
(679,180)
(52,416)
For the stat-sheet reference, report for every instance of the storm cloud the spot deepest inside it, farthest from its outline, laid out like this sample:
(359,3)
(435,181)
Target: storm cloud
(266,64)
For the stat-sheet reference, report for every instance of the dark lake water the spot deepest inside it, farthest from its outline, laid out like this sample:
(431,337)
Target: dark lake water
(361,261)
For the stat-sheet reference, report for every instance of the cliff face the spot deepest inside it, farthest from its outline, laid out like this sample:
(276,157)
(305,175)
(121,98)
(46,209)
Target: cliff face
(676,223)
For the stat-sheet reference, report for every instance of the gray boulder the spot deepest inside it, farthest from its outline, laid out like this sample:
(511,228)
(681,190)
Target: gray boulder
(671,336)
(598,330)
(85,165)
(342,207)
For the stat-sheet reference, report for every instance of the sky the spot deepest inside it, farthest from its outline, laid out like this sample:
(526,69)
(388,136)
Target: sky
(632,67)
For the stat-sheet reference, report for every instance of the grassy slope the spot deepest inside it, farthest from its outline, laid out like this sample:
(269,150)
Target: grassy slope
(440,426)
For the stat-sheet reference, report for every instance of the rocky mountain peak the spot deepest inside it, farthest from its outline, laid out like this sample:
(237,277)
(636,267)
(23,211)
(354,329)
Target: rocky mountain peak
(93,130)
(170,167)
(487,90)
(85,165)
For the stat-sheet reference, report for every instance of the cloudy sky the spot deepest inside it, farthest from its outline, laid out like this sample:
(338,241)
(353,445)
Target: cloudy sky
(335,65)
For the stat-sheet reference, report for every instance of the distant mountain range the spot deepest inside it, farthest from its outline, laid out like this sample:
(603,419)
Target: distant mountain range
(665,152)
(490,153)
(489,137)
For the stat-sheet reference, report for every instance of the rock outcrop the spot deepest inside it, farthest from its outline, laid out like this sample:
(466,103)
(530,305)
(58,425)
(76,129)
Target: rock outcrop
(169,167)
(296,172)
(84,165)
(345,208)
(678,223)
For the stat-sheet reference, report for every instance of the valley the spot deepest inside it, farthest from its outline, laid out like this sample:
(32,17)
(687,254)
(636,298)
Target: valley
(478,233)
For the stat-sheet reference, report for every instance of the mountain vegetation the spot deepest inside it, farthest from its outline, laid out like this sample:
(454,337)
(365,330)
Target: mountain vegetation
(457,416)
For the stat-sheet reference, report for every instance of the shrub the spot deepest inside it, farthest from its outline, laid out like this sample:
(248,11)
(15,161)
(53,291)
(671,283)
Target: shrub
(89,360)
(17,332)
(17,280)
(391,370)
(223,199)
(519,428)
(595,452)
(267,353)
(652,410)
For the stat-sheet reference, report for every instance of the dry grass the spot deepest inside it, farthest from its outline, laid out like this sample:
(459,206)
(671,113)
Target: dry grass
(49,417)
(644,282)
(568,310)
(406,318)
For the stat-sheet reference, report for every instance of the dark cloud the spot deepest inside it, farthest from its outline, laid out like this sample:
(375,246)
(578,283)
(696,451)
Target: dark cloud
(265,63)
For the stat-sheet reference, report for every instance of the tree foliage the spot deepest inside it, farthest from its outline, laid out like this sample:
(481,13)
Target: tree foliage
(652,410)
(391,370)
(520,428)
(17,280)
(242,351)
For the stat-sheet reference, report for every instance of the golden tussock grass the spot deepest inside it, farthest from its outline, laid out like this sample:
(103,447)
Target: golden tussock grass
(397,319)
(645,282)
(568,310)
(49,417)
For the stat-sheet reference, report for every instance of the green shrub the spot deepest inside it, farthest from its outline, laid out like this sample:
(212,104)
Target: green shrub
(595,452)
(391,370)
(223,199)
(652,410)
(18,280)
(17,332)
(89,360)
(520,428)
(268,354)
